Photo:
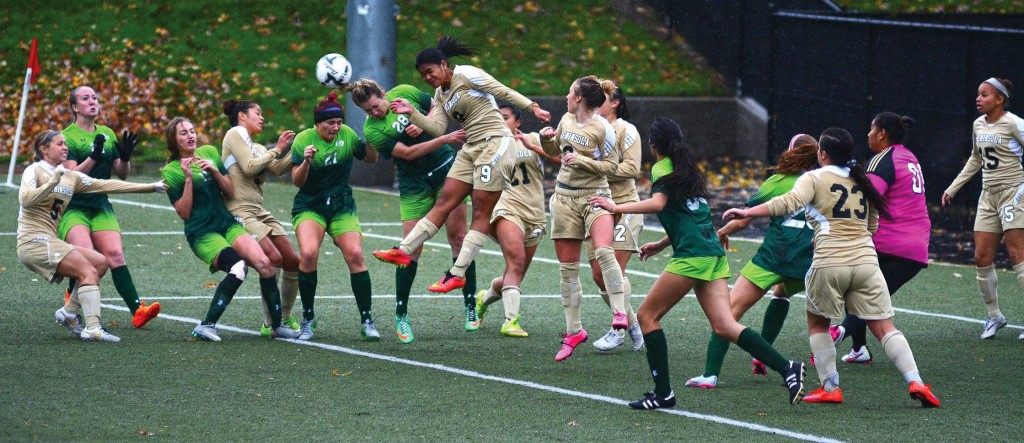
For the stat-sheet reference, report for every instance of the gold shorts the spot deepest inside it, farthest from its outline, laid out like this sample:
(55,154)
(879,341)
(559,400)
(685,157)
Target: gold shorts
(860,289)
(571,213)
(625,238)
(42,255)
(1000,209)
(482,168)
(533,231)
(261,224)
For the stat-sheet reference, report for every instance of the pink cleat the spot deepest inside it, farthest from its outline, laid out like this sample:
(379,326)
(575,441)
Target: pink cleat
(569,344)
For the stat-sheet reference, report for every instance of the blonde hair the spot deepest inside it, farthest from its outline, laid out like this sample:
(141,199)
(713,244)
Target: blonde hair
(363,90)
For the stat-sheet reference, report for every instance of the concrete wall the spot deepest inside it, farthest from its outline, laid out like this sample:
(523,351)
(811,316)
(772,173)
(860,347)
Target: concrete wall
(713,127)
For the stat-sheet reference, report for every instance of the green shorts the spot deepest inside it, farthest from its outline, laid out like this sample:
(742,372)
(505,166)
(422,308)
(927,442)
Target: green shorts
(94,219)
(417,195)
(339,224)
(700,268)
(765,279)
(207,245)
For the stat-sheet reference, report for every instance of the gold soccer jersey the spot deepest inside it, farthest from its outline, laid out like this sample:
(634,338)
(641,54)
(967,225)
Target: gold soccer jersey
(594,145)
(523,194)
(996,152)
(246,163)
(470,100)
(43,199)
(839,213)
(623,174)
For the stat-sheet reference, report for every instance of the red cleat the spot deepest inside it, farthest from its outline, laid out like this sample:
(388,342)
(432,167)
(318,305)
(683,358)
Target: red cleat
(758,367)
(145,313)
(394,256)
(67,297)
(448,283)
(923,393)
(820,395)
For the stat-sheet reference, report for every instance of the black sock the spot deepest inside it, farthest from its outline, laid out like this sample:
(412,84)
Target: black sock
(307,292)
(404,278)
(657,360)
(221,298)
(272,295)
(362,289)
(857,330)
(469,291)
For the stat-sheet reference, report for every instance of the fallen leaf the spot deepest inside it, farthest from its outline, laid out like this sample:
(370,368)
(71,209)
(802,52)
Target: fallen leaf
(335,372)
(346,374)
(573,423)
(957,275)
(113,323)
(210,284)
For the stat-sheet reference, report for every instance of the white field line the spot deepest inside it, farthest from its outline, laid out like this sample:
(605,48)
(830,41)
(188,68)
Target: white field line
(511,381)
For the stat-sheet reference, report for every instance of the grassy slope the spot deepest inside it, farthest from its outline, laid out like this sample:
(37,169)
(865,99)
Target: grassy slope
(186,58)
(971,6)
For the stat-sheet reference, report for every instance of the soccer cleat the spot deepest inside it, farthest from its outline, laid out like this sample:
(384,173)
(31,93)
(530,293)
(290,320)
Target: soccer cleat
(619,321)
(145,313)
(1021,336)
(449,282)
(794,378)
(472,321)
(206,332)
(700,381)
(812,360)
(369,331)
(291,323)
(511,328)
(403,329)
(266,331)
(992,325)
(68,320)
(653,401)
(611,340)
(394,256)
(758,368)
(861,356)
(637,336)
(820,395)
(481,308)
(569,343)
(306,329)
(96,333)
(838,333)
(285,331)
(67,296)
(923,393)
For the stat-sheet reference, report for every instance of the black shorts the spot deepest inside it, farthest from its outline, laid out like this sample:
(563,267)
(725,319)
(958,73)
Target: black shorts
(898,271)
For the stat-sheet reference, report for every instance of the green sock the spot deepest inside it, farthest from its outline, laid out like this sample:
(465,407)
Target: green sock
(221,298)
(125,287)
(307,292)
(657,360)
(774,318)
(717,348)
(469,291)
(404,278)
(363,292)
(756,346)
(272,295)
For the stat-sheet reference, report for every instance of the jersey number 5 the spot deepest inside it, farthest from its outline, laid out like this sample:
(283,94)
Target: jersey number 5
(55,210)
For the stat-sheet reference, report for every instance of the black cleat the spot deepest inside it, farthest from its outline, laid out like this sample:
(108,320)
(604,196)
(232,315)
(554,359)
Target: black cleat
(652,401)
(794,378)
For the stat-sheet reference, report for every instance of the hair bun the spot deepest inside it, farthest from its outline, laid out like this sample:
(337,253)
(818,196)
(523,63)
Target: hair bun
(333,96)
(228,105)
(906,122)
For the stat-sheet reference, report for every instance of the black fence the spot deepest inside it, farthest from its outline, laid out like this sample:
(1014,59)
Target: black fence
(813,67)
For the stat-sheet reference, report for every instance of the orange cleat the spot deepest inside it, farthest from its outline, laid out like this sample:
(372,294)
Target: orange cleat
(449,282)
(67,297)
(820,395)
(145,313)
(923,393)
(394,256)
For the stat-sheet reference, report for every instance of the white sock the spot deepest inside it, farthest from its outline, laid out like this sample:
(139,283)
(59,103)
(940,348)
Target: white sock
(825,360)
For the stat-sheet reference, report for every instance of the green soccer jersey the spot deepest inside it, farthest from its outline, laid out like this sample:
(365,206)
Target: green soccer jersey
(79,143)
(384,133)
(330,168)
(787,249)
(687,223)
(208,211)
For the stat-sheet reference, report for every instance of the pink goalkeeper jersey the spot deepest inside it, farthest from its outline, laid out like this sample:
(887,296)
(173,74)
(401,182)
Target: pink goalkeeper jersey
(905,232)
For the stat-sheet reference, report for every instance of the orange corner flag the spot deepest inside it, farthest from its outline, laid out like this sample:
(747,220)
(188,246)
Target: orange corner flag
(33,61)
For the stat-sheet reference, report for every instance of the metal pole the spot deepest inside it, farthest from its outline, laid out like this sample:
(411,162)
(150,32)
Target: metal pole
(372,32)
(17,132)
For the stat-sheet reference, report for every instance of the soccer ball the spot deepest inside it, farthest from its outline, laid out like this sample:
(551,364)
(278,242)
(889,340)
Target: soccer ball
(333,70)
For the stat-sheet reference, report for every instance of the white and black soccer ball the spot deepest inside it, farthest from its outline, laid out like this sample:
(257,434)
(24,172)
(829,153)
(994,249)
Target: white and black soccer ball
(333,70)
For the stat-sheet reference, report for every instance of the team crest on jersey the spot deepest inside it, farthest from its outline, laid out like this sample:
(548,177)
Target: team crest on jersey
(693,204)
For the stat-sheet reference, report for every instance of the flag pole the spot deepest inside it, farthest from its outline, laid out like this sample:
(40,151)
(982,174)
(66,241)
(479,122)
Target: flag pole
(17,132)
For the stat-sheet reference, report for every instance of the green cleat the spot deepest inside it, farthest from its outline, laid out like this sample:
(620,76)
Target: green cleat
(472,321)
(403,329)
(511,328)
(481,308)
(266,331)
(291,323)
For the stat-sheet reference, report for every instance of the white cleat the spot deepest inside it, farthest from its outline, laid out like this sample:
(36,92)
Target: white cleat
(206,332)
(306,329)
(611,340)
(285,331)
(97,333)
(369,331)
(993,325)
(701,381)
(68,320)
(861,356)
(637,336)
